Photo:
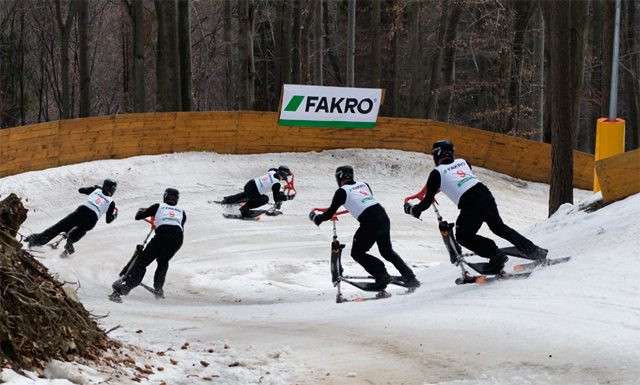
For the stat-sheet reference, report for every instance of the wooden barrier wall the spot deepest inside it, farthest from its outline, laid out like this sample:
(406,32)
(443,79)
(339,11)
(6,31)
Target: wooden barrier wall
(619,175)
(58,143)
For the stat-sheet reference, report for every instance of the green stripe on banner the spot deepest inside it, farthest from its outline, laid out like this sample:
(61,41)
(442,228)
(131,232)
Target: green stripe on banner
(326,123)
(294,103)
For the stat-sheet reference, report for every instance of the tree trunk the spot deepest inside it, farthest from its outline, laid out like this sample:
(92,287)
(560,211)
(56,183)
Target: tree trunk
(83,48)
(557,17)
(184,46)
(538,58)
(395,90)
(376,41)
(247,73)
(579,37)
(415,58)
(22,70)
(283,44)
(523,10)
(64,29)
(586,141)
(137,20)
(436,62)
(305,56)
(351,43)
(295,43)
(168,60)
(449,59)
(229,86)
(318,46)
(632,74)
(330,47)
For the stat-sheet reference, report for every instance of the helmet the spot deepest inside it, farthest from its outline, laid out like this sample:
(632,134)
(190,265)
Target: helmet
(109,187)
(344,173)
(283,171)
(442,149)
(171,196)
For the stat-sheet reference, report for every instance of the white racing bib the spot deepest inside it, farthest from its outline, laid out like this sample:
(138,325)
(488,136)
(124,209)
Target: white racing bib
(169,215)
(359,197)
(456,178)
(266,182)
(98,202)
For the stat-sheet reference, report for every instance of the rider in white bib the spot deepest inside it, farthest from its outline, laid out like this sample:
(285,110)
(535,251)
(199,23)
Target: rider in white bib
(456,180)
(256,190)
(83,219)
(375,227)
(169,220)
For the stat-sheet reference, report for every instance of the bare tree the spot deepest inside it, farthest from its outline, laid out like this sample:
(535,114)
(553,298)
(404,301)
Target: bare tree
(318,48)
(376,41)
(436,62)
(64,30)
(631,73)
(246,25)
(523,10)
(231,67)
(415,58)
(184,46)
(449,59)
(83,48)
(351,43)
(167,61)
(295,42)
(558,21)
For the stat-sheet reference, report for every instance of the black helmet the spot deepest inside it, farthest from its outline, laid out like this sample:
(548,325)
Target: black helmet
(442,149)
(109,187)
(344,173)
(283,171)
(171,196)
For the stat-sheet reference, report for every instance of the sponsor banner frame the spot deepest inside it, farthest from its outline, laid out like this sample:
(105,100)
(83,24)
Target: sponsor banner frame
(329,107)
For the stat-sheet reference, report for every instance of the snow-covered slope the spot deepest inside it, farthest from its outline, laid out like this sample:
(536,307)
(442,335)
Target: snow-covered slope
(263,288)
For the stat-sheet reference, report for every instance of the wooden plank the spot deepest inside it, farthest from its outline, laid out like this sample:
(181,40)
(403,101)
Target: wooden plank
(619,176)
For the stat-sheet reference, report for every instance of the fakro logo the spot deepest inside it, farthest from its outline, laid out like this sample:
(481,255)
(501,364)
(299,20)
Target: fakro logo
(333,105)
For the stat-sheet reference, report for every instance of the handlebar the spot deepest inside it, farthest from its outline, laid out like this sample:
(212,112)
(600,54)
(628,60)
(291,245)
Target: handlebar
(151,221)
(335,216)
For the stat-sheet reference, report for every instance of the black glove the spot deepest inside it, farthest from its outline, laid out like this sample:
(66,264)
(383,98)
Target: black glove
(140,211)
(315,218)
(115,213)
(411,210)
(280,197)
(290,197)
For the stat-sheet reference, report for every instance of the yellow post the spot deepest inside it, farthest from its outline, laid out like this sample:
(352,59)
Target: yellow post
(609,142)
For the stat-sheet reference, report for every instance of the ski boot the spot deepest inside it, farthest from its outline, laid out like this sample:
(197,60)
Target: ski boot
(159,293)
(381,282)
(496,263)
(411,283)
(537,253)
(68,250)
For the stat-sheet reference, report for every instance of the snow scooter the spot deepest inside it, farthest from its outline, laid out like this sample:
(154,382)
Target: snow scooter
(364,283)
(458,258)
(274,210)
(115,296)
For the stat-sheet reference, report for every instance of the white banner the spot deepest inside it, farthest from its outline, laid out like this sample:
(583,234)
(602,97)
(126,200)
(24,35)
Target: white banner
(317,106)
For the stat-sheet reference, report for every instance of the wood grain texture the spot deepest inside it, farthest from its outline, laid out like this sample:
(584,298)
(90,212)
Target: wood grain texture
(58,143)
(619,176)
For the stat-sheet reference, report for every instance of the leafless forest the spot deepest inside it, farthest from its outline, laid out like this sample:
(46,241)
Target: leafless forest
(511,66)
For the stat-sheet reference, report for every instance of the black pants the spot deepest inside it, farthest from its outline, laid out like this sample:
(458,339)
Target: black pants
(162,247)
(251,195)
(375,228)
(478,206)
(75,224)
